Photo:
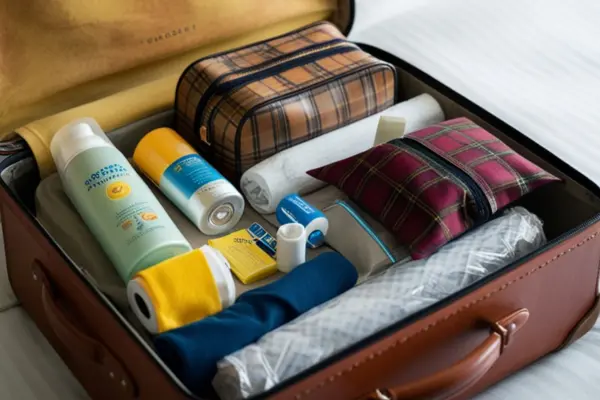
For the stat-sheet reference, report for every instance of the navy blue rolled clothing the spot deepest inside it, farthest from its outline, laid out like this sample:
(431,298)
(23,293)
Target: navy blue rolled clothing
(193,351)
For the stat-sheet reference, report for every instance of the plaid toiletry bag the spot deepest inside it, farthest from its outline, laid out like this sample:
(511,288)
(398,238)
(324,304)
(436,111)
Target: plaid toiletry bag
(435,184)
(242,106)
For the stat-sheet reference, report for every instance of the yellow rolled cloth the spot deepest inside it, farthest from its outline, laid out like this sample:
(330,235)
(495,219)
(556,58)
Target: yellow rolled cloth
(181,290)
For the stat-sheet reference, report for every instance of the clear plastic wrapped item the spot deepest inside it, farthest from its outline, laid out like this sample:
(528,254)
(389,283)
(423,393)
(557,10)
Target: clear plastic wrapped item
(387,298)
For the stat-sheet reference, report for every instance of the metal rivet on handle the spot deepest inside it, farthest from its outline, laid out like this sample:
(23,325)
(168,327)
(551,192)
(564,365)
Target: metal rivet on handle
(35,278)
(112,375)
(123,383)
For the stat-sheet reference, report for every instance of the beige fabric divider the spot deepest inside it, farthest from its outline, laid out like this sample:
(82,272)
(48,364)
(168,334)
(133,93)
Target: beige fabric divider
(56,55)
(126,106)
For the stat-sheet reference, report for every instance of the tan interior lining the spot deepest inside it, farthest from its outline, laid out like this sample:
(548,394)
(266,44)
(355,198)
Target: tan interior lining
(57,215)
(82,58)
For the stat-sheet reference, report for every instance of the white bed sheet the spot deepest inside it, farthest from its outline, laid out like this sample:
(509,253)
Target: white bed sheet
(532,63)
(536,65)
(29,367)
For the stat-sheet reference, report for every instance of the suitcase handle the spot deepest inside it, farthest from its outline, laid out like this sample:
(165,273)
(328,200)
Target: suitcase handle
(74,338)
(465,373)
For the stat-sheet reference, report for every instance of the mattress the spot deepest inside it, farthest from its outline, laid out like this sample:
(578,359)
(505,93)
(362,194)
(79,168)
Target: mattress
(534,64)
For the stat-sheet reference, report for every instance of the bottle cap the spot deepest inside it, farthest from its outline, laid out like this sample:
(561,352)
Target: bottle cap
(291,246)
(75,138)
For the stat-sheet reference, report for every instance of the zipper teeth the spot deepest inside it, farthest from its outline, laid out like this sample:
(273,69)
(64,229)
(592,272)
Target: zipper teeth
(214,86)
(243,47)
(479,197)
(290,57)
(419,315)
(246,115)
(435,160)
(235,85)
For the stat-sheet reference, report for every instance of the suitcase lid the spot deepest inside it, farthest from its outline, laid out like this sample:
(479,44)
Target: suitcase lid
(71,53)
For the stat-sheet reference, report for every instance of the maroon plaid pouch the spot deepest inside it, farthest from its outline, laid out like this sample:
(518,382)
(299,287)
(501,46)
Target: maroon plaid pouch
(435,184)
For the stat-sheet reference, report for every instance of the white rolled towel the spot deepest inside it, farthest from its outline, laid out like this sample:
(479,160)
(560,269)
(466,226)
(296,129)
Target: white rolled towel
(265,184)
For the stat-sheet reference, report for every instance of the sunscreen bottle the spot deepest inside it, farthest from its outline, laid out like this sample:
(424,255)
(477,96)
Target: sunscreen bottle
(121,211)
(189,181)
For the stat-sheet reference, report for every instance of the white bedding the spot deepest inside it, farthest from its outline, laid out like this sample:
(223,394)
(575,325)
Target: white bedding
(30,369)
(532,63)
(536,65)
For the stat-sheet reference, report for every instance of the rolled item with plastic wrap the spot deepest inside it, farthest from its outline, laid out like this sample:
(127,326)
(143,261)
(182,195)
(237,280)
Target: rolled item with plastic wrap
(269,181)
(376,304)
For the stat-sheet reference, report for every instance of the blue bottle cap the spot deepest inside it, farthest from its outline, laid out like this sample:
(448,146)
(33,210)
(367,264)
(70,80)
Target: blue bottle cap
(315,239)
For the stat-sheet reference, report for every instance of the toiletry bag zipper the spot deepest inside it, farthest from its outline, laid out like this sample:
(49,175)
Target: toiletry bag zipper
(240,48)
(481,205)
(223,86)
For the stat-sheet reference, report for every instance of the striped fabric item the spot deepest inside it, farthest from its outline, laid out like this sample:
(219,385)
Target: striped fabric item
(243,106)
(436,183)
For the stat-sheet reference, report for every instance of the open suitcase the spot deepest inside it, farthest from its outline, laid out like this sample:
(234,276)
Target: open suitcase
(453,349)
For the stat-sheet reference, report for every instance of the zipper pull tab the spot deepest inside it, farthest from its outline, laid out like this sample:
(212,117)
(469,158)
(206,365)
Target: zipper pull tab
(204,135)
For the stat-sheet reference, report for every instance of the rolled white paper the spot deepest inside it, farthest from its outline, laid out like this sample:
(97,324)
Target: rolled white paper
(142,306)
(291,246)
(268,182)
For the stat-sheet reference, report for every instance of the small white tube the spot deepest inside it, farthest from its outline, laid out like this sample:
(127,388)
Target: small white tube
(291,246)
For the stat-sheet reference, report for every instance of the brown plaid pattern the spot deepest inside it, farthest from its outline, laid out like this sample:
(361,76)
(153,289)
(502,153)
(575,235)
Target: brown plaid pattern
(253,120)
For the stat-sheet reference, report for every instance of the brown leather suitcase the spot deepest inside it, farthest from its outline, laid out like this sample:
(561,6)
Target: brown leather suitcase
(453,349)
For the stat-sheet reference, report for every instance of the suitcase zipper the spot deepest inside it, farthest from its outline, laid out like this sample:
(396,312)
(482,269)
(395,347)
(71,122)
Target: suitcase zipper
(294,93)
(223,84)
(482,206)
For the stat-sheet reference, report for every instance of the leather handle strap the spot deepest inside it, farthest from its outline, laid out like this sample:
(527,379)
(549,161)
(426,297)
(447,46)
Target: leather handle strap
(465,373)
(76,340)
